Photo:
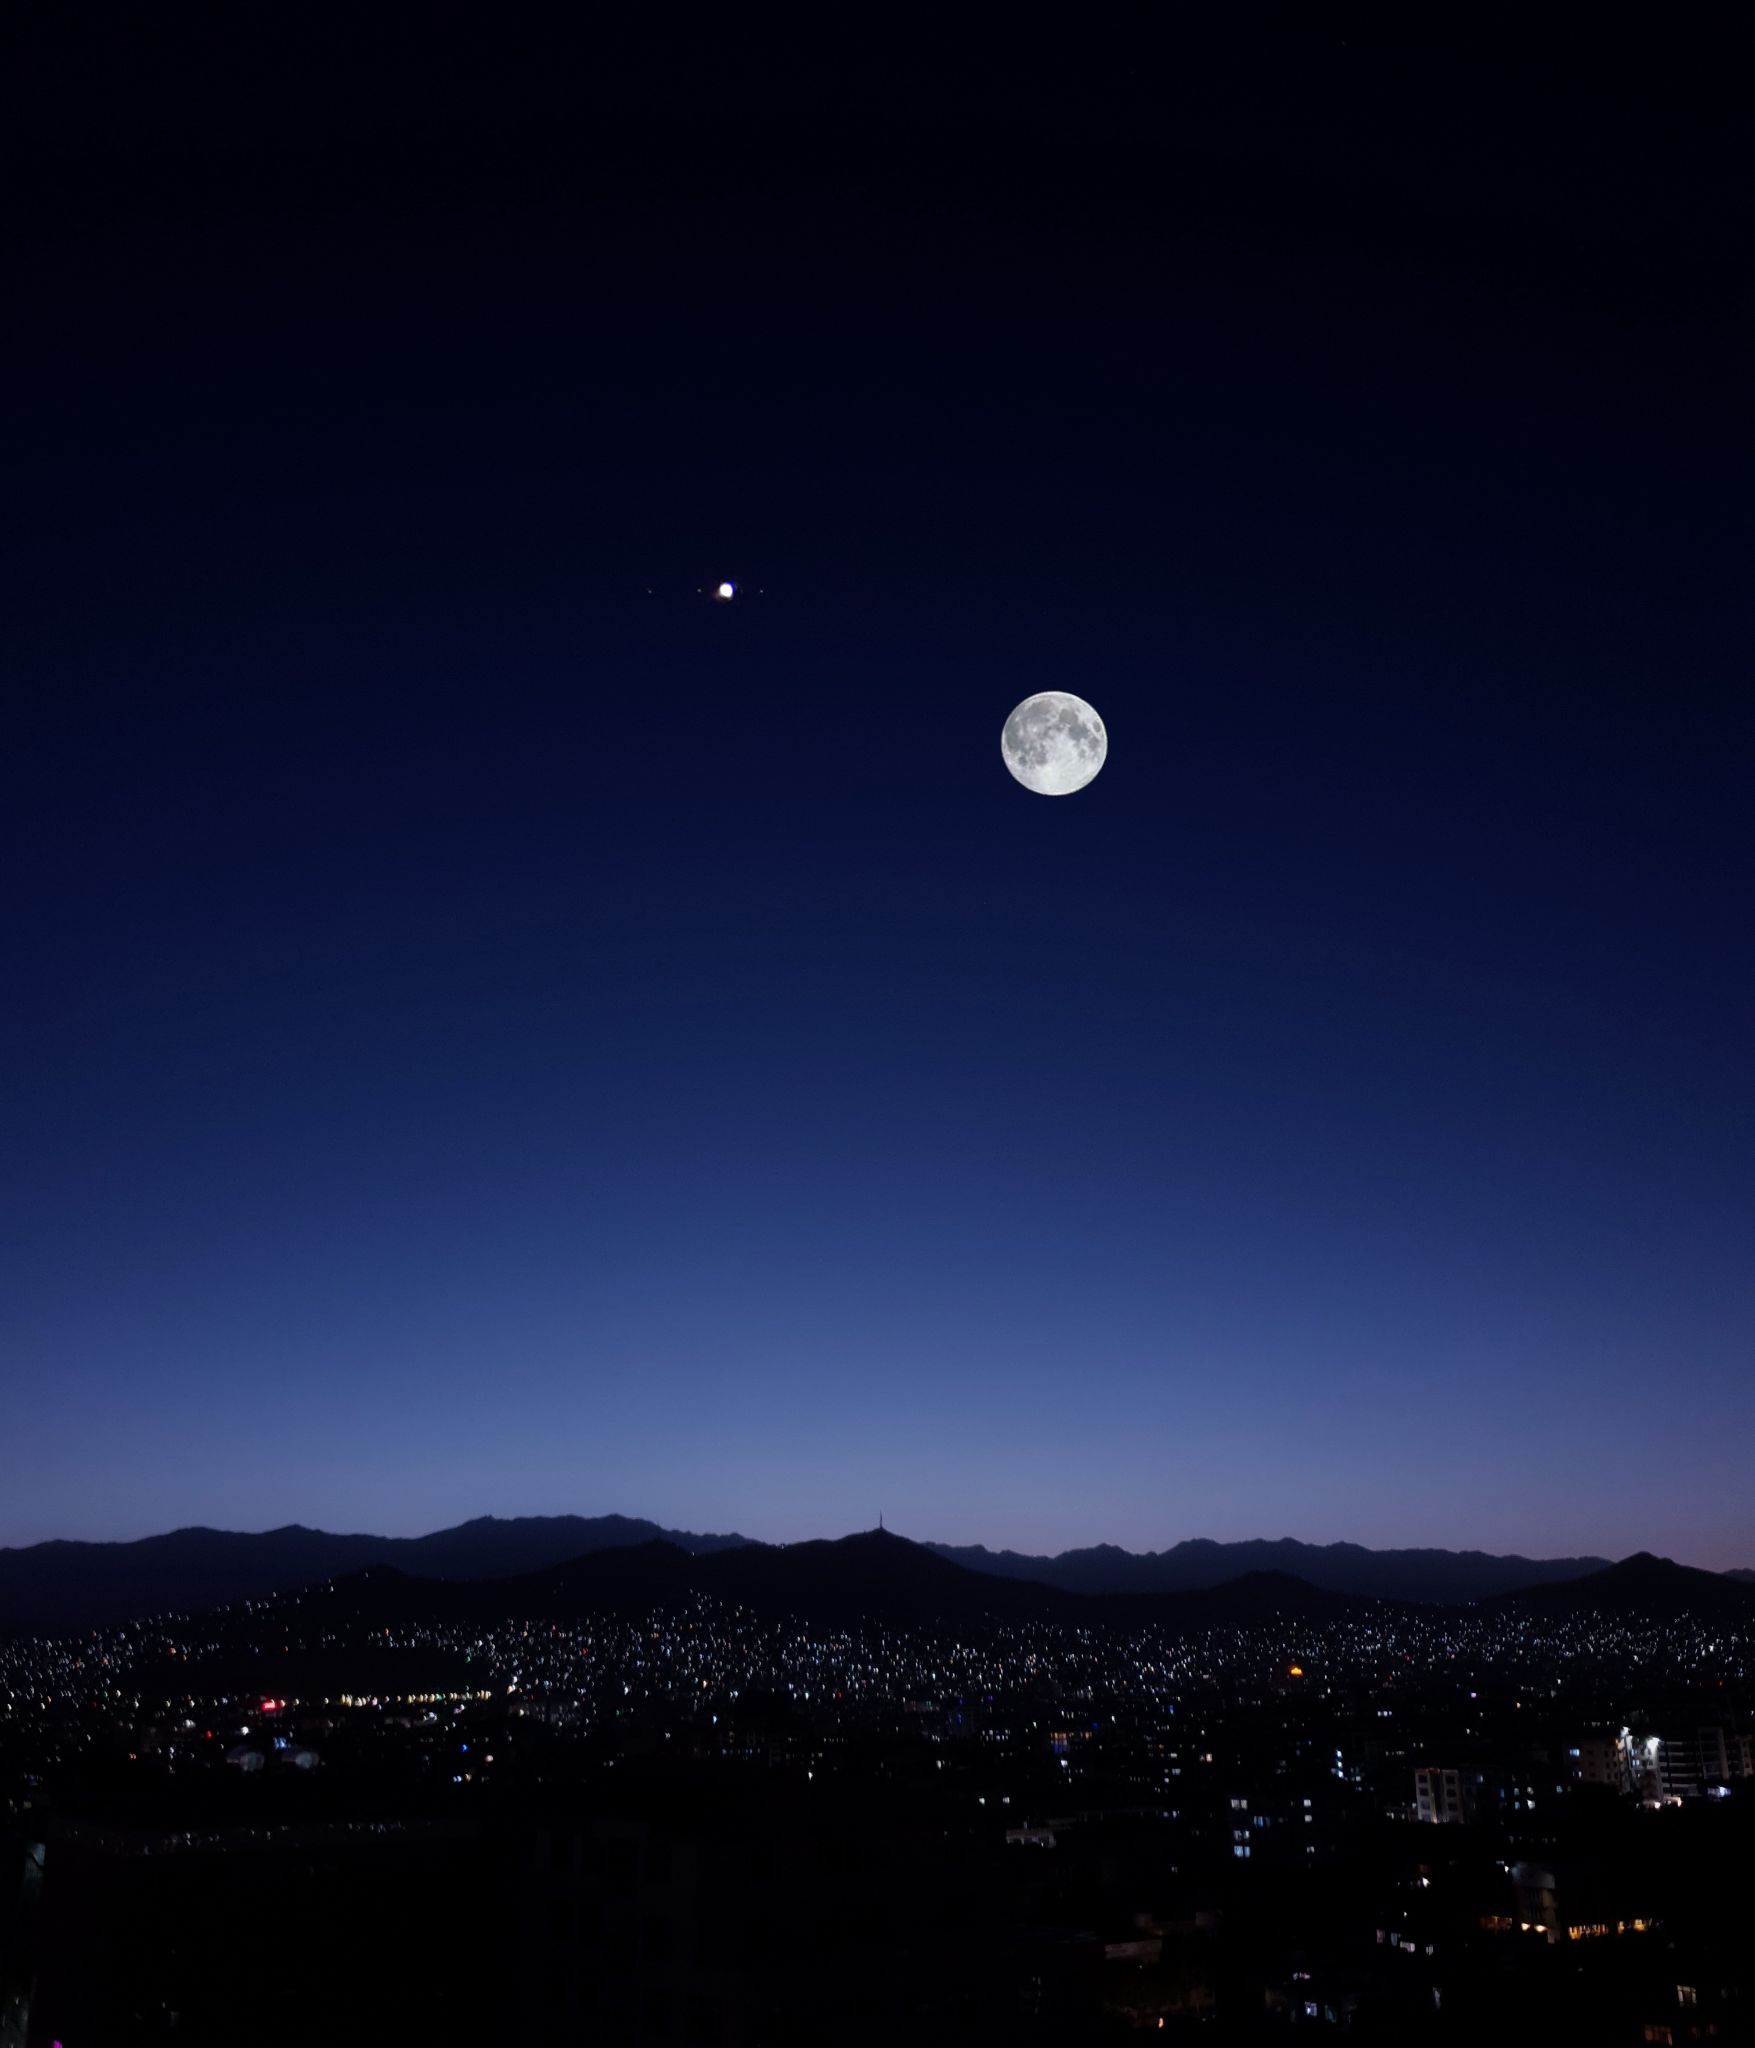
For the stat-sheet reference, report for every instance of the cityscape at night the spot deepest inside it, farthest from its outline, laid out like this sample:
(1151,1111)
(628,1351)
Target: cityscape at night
(877,1030)
(1030,1815)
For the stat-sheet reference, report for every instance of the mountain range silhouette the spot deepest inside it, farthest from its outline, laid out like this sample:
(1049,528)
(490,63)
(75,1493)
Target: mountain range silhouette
(615,1559)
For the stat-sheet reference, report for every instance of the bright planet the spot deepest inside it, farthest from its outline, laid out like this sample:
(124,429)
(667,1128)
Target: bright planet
(1054,743)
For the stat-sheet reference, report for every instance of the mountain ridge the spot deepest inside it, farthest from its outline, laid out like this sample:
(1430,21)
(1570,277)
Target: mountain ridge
(66,1584)
(1428,1575)
(871,1575)
(1640,1584)
(877,1576)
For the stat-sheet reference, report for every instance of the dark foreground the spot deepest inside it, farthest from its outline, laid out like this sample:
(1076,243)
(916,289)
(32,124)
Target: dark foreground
(675,1908)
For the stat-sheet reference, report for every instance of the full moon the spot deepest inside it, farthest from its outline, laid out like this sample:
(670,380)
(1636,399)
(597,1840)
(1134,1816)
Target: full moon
(1054,743)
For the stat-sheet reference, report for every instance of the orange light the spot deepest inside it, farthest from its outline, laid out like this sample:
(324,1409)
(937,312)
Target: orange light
(1297,1671)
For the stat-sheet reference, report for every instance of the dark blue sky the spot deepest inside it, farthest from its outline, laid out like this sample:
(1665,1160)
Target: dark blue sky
(479,1036)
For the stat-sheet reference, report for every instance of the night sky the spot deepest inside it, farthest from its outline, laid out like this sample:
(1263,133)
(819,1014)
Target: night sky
(485,1029)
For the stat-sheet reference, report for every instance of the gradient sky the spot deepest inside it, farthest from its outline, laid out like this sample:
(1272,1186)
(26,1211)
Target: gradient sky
(481,1037)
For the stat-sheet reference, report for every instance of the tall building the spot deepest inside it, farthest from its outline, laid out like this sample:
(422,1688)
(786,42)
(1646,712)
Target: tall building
(1685,1764)
(1439,1795)
(1604,1760)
